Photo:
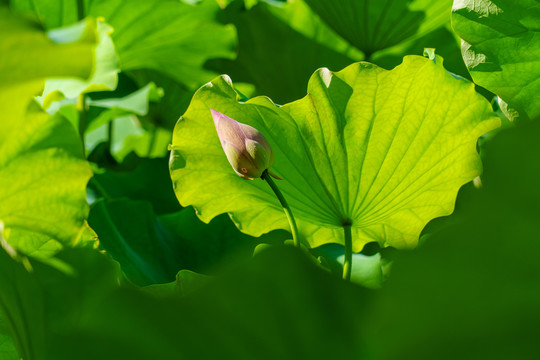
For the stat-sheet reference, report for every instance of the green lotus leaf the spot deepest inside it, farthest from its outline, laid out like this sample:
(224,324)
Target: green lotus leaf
(37,304)
(43,174)
(105,74)
(156,34)
(501,48)
(131,234)
(52,14)
(175,100)
(372,25)
(43,180)
(278,28)
(384,150)
(148,181)
(478,275)
(104,111)
(443,40)
(152,249)
(300,17)
(7,347)
(300,323)
(32,56)
(186,282)
(137,102)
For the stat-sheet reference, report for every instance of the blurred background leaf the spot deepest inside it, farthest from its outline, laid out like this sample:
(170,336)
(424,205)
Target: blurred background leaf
(50,299)
(131,233)
(174,102)
(255,309)
(152,249)
(155,34)
(136,103)
(173,56)
(375,25)
(471,291)
(274,56)
(173,37)
(105,64)
(8,350)
(149,181)
(42,172)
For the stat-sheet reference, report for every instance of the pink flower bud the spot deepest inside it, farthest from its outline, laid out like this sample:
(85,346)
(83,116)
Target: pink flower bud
(247,150)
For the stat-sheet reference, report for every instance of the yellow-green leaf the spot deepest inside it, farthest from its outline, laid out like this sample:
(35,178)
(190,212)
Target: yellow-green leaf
(384,150)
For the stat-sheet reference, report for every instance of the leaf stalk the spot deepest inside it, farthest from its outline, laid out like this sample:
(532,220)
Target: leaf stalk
(82,118)
(347,265)
(288,212)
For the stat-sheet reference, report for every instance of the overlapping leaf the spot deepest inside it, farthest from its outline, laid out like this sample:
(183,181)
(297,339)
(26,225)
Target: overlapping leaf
(148,182)
(175,99)
(42,173)
(45,300)
(153,249)
(292,27)
(478,277)
(33,45)
(158,35)
(384,150)
(183,327)
(104,111)
(501,48)
(155,34)
(7,347)
(372,25)
(265,32)
(105,72)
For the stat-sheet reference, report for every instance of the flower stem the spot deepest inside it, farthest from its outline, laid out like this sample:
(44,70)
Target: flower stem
(82,118)
(110,134)
(347,265)
(294,230)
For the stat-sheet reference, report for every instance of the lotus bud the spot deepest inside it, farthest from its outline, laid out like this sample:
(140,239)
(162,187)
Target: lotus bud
(247,150)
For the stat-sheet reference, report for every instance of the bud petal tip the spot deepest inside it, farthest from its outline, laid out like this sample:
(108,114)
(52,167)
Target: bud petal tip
(247,150)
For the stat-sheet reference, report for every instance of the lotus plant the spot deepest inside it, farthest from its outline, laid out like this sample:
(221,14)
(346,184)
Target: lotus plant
(250,156)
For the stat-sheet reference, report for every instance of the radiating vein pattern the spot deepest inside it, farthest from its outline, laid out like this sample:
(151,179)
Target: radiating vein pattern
(384,150)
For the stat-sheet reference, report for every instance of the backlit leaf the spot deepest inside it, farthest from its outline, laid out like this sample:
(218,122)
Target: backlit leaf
(105,74)
(384,150)
(156,34)
(42,172)
(501,48)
